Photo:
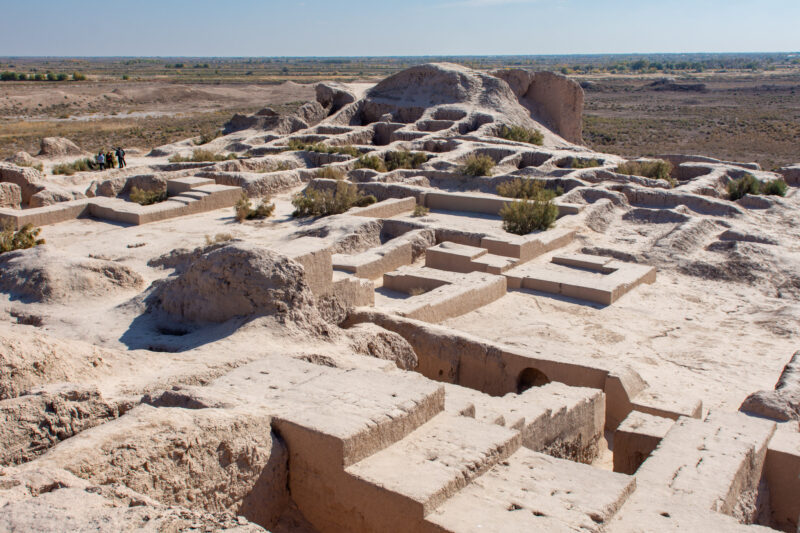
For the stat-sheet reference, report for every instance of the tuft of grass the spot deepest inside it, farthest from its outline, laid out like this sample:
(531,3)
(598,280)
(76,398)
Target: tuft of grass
(478,165)
(776,187)
(405,159)
(147,197)
(520,188)
(200,155)
(243,209)
(219,237)
(68,169)
(583,163)
(37,166)
(522,135)
(316,203)
(21,239)
(536,212)
(417,291)
(298,145)
(657,169)
(749,184)
(330,173)
(371,161)
(420,211)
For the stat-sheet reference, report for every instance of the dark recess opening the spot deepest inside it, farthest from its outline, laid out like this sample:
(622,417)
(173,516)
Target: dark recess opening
(531,377)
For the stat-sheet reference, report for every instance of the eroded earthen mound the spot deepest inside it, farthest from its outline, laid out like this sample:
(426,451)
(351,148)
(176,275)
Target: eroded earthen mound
(374,341)
(234,281)
(58,146)
(42,274)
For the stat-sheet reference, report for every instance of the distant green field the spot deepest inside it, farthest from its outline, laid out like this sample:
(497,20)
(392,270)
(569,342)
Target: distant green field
(209,69)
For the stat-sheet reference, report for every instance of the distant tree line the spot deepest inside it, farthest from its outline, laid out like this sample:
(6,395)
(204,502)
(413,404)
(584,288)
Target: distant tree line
(39,76)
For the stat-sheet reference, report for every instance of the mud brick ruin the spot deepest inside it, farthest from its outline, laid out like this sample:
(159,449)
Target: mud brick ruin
(377,371)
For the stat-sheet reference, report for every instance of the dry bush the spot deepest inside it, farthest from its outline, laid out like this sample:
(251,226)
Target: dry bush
(147,197)
(316,203)
(330,173)
(537,212)
(522,135)
(583,163)
(68,169)
(417,291)
(295,145)
(200,155)
(405,159)
(478,165)
(657,169)
(420,211)
(371,161)
(243,209)
(776,187)
(749,184)
(526,188)
(21,239)
(219,237)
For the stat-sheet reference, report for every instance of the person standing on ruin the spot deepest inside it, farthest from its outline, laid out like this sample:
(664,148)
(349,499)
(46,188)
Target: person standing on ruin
(101,160)
(120,156)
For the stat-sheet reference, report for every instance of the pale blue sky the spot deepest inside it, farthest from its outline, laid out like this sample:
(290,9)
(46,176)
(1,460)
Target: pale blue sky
(394,27)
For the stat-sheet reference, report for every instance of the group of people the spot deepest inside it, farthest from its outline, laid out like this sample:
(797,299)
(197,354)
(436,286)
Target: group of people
(111,159)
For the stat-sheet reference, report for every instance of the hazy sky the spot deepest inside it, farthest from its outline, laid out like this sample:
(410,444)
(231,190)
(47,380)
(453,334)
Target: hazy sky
(394,27)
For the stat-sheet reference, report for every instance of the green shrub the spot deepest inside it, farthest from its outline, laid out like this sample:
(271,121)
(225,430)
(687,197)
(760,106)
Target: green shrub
(77,76)
(321,203)
(298,145)
(420,211)
(330,173)
(522,135)
(520,188)
(142,197)
(243,209)
(478,165)
(405,159)
(371,161)
(199,156)
(776,187)
(25,237)
(530,213)
(747,184)
(68,169)
(657,169)
(583,163)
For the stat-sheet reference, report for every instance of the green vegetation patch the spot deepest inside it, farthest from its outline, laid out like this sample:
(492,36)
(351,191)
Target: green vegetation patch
(321,203)
(200,155)
(478,165)
(243,209)
(21,239)
(522,135)
(749,184)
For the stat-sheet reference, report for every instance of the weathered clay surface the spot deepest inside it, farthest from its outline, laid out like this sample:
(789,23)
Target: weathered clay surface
(43,274)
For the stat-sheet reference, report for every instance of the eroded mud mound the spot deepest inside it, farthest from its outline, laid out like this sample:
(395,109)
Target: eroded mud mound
(237,280)
(42,274)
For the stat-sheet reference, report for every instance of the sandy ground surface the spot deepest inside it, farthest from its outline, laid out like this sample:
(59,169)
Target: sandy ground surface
(97,99)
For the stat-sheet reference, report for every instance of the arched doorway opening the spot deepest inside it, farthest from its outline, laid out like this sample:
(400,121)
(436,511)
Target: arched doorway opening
(531,377)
